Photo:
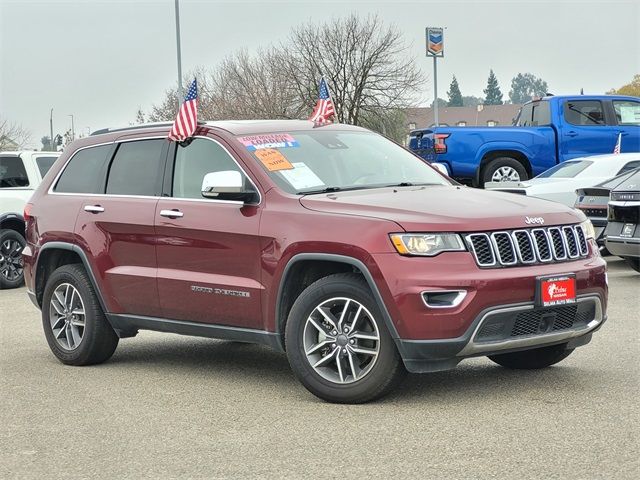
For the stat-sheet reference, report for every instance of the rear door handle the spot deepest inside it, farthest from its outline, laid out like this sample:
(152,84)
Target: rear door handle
(175,213)
(571,134)
(93,208)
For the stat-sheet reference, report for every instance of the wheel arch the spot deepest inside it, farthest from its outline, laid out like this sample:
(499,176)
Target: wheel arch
(489,156)
(327,264)
(53,255)
(12,221)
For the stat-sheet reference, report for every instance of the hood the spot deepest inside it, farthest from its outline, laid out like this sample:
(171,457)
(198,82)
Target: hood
(443,208)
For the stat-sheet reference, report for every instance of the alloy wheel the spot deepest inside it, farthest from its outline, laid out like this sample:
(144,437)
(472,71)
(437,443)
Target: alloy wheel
(67,316)
(11,266)
(341,340)
(505,174)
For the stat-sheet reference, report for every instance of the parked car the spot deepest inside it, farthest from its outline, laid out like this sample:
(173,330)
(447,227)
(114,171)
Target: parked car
(20,174)
(333,244)
(559,183)
(623,227)
(593,202)
(546,132)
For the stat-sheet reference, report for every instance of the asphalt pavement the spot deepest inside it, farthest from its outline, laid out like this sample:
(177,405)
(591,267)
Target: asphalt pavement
(168,406)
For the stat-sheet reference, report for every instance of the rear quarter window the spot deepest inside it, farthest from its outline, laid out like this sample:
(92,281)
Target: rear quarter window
(12,173)
(84,173)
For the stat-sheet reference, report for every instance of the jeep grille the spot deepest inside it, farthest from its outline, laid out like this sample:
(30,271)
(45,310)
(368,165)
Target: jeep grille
(528,246)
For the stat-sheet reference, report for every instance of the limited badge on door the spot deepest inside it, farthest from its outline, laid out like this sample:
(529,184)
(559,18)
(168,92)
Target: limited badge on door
(556,290)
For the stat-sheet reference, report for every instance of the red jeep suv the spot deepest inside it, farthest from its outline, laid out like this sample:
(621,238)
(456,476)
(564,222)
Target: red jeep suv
(333,244)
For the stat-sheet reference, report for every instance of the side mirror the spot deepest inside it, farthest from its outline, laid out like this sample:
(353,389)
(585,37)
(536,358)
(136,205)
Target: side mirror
(226,185)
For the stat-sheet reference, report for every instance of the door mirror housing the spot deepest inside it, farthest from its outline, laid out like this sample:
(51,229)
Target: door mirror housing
(227,185)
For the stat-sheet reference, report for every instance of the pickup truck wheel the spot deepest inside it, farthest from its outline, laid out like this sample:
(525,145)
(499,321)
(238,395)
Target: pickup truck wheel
(337,343)
(75,326)
(504,169)
(533,359)
(11,266)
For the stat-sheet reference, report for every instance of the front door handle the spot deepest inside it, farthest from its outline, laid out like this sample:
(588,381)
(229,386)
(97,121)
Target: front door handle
(571,134)
(93,208)
(175,213)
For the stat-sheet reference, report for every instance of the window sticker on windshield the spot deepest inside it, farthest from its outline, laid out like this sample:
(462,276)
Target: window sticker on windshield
(272,140)
(273,159)
(302,177)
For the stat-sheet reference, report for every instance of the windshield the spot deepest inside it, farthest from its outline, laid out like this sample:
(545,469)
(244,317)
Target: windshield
(565,169)
(329,160)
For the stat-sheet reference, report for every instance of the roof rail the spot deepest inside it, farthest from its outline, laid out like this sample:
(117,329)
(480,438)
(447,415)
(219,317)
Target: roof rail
(135,127)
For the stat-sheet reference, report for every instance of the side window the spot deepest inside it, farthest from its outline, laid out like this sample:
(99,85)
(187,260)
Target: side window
(627,112)
(524,119)
(13,173)
(83,172)
(136,168)
(629,166)
(584,112)
(44,164)
(541,114)
(194,161)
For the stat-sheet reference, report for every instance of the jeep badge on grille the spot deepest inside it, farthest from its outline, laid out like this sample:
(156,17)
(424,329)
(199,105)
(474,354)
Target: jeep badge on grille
(534,220)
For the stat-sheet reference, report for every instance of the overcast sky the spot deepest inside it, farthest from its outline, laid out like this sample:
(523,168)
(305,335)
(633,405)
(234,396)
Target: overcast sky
(101,60)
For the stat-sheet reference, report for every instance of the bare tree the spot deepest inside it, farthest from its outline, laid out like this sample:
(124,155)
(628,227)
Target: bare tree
(368,66)
(12,135)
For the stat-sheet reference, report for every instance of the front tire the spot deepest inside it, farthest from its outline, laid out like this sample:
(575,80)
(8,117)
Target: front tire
(337,343)
(533,359)
(11,265)
(74,324)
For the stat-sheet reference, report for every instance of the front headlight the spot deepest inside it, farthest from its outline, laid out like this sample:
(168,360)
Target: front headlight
(587,228)
(426,244)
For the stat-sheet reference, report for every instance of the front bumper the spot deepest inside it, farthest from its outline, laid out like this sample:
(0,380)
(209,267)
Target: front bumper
(622,246)
(508,328)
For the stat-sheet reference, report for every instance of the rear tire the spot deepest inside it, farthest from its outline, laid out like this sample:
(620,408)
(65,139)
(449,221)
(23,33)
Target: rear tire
(74,324)
(633,262)
(346,354)
(504,169)
(11,264)
(533,359)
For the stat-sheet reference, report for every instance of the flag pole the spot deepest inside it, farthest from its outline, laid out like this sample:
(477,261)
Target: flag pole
(179,53)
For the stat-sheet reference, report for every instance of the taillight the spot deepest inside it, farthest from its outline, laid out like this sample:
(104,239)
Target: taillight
(27,212)
(439,145)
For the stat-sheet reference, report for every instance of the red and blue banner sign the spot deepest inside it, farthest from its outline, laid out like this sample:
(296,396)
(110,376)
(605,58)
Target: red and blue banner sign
(435,42)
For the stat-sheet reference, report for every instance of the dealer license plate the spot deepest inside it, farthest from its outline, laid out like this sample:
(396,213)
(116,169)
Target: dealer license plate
(556,290)
(627,230)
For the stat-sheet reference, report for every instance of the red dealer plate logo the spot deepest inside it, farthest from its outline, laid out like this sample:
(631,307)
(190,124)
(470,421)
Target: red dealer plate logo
(558,290)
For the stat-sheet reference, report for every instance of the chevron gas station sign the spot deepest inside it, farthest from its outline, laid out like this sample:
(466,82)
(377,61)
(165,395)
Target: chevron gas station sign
(435,42)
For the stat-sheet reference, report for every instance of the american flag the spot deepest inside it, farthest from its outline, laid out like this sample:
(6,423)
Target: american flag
(324,111)
(187,118)
(616,149)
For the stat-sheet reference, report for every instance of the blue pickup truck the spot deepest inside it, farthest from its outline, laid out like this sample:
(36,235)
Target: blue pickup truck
(545,132)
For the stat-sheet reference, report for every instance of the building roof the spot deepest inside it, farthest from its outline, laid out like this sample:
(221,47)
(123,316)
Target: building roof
(423,117)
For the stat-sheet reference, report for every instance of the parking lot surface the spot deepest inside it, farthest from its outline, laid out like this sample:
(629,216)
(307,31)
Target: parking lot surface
(167,406)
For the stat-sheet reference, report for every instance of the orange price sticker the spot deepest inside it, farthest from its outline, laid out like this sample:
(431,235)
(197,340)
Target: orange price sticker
(273,159)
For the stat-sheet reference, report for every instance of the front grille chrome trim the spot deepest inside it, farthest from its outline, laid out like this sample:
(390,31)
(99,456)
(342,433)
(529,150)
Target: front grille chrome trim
(508,248)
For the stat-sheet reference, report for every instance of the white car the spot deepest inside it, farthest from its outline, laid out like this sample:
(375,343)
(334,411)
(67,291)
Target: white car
(560,183)
(20,175)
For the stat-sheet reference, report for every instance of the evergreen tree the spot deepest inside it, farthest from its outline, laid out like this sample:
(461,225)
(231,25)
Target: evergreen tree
(492,94)
(455,96)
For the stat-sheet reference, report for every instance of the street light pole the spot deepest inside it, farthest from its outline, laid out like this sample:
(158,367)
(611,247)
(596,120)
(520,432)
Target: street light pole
(180,92)
(51,128)
(73,129)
